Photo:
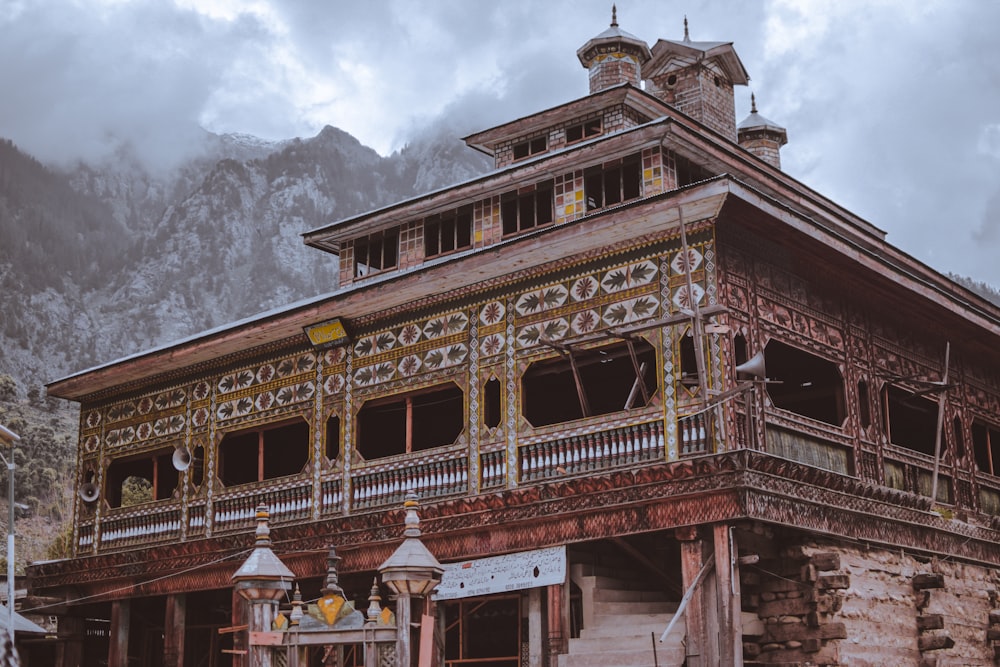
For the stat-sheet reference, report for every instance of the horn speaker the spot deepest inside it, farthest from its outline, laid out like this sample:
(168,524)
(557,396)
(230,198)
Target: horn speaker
(89,492)
(753,366)
(181,459)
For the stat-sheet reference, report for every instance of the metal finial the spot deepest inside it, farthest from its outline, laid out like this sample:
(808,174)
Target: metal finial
(614,16)
(753,103)
(412,520)
(296,616)
(332,585)
(687,37)
(263,533)
(374,600)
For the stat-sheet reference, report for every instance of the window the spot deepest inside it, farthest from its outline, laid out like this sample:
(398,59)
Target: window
(530,147)
(448,232)
(521,211)
(613,182)
(689,363)
(956,425)
(864,405)
(986,445)
(910,421)
(267,452)
(587,382)
(806,384)
(376,252)
(492,404)
(411,422)
(332,450)
(141,479)
(688,172)
(585,130)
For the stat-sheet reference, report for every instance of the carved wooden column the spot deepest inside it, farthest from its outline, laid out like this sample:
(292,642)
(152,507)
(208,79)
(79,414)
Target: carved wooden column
(555,640)
(174,624)
(692,560)
(69,653)
(118,641)
(727,580)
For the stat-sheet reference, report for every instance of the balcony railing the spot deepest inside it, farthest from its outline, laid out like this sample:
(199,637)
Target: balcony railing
(237,509)
(428,479)
(599,450)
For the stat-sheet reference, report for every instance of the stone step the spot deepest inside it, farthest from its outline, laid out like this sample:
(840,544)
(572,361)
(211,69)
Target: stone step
(630,608)
(612,626)
(602,594)
(637,657)
(615,583)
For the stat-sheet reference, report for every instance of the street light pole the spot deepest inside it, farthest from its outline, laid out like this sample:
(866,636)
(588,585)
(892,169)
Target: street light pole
(8,437)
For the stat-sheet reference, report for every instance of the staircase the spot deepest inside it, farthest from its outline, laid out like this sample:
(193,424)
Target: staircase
(622,621)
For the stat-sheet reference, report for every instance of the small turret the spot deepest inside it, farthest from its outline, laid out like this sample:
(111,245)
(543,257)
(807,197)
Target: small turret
(614,57)
(762,137)
(697,78)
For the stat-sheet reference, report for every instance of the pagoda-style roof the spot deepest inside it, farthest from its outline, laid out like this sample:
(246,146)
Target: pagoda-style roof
(687,51)
(643,103)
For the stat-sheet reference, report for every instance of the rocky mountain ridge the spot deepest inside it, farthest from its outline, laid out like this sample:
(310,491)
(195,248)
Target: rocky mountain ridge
(98,261)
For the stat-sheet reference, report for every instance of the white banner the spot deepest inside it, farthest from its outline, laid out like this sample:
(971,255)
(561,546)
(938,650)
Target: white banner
(500,574)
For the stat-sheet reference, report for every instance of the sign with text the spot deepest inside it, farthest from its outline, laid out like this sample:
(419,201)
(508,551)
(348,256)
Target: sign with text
(501,574)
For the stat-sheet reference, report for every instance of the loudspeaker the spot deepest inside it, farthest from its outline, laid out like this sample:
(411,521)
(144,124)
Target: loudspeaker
(181,459)
(753,366)
(89,492)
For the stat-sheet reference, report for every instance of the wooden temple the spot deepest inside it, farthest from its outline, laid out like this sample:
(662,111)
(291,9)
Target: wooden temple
(715,399)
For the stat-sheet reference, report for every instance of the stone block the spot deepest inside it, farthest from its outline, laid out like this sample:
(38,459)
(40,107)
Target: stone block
(826,560)
(930,622)
(928,580)
(935,642)
(833,581)
(795,606)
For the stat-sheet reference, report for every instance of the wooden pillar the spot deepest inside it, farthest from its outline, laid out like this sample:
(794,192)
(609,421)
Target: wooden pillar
(69,653)
(241,644)
(118,641)
(174,625)
(556,640)
(692,560)
(535,651)
(727,581)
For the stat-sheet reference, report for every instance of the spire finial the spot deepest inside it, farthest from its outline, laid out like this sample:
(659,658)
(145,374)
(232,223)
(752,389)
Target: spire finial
(753,103)
(412,520)
(687,37)
(614,16)
(263,532)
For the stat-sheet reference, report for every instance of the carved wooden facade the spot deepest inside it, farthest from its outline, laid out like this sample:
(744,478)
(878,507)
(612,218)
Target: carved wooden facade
(565,376)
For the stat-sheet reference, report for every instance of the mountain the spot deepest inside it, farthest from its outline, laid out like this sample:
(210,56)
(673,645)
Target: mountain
(98,261)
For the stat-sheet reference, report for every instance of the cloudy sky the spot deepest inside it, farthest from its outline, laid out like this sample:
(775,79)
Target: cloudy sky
(892,107)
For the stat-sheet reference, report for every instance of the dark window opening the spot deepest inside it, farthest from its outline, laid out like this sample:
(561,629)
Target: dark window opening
(141,479)
(411,422)
(492,403)
(606,377)
(198,466)
(688,172)
(531,147)
(524,211)
(332,447)
(804,383)
(986,445)
(376,252)
(263,453)
(584,130)
(910,421)
(957,431)
(689,363)
(448,232)
(613,183)
(864,404)
(484,632)
(740,350)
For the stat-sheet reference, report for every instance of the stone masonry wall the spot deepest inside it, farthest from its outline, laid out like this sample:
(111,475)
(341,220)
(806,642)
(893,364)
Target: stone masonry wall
(828,603)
